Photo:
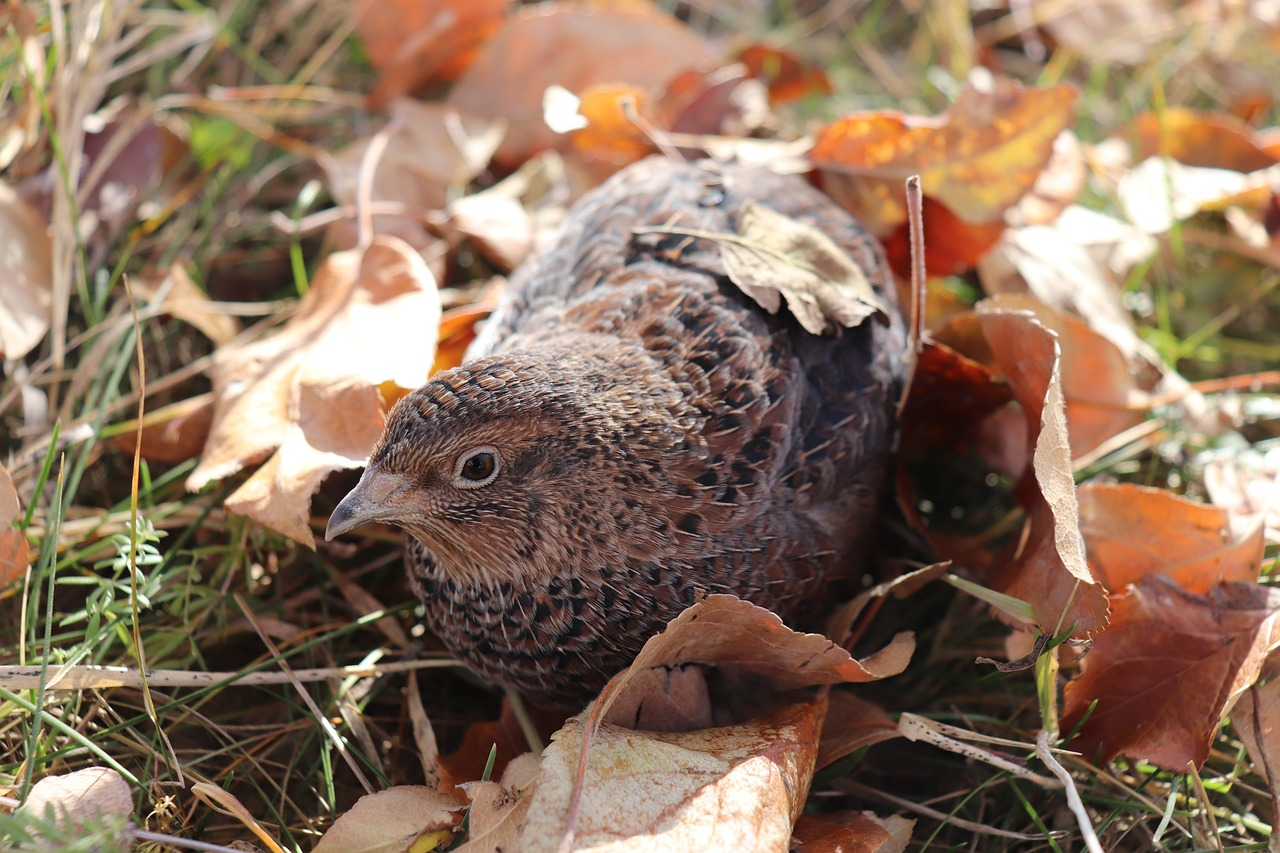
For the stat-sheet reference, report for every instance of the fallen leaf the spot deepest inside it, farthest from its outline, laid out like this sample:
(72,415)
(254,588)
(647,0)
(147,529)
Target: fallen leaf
(1050,571)
(736,787)
(575,47)
(1058,185)
(310,393)
(458,330)
(20,124)
(185,300)
(1157,192)
(516,216)
(1247,483)
(978,158)
(1256,719)
(403,818)
(1168,668)
(741,642)
(88,796)
(26,275)
(951,246)
(1132,532)
(1109,32)
(608,131)
(851,724)
(776,257)
(786,76)
(851,832)
(15,556)
(412,43)
(437,148)
(1079,263)
(1098,388)
(1195,138)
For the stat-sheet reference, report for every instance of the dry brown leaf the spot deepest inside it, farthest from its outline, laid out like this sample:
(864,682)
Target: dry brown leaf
(184,299)
(87,796)
(26,275)
(20,124)
(412,43)
(1050,571)
(776,257)
(15,556)
(519,214)
(951,246)
(403,818)
(1195,138)
(438,147)
(1133,531)
(1168,668)
(735,787)
(978,159)
(1256,719)
(851,724)
(742,642)
(852,832)
(575,47)
(1110,32)
(311,392)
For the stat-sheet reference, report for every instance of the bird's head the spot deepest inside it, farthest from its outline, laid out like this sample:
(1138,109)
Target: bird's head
(504,468)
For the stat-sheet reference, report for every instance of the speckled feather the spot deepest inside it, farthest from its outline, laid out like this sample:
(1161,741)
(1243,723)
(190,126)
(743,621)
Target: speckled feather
(660,437)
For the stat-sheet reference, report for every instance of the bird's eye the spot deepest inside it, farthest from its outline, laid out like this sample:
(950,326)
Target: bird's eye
(477,467)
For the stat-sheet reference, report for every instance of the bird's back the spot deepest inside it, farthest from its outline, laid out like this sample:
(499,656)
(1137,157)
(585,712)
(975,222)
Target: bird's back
(785,435)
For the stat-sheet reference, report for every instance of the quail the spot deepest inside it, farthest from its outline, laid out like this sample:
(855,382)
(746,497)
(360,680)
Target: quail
(631,432)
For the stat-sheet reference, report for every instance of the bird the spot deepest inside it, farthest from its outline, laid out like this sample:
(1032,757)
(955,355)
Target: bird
(631,432)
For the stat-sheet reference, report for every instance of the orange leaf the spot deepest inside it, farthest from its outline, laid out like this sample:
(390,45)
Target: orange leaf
(787,77)
(610,133)
(951,245)
(851,832)
(978,158)
(1168,669)
(1209,140)
(1133,532)
(413,43)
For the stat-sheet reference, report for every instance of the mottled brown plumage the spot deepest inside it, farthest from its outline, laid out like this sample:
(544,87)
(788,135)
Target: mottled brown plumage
(631,432)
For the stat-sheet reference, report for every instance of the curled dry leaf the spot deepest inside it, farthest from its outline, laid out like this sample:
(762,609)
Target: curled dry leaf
(173,433)
(1050,570)
(737,787)
(1168,668)
(15,556)
(575,47)
(1256,719)
(412,43)
(852,832)
(1133,532)
(26,275)
(86,796)
(978,158)
(407,817)
(775,257)
(311,392)
(185,300)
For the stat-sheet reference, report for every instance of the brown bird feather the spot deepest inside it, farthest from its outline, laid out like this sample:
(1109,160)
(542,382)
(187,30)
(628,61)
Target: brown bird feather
(632,432)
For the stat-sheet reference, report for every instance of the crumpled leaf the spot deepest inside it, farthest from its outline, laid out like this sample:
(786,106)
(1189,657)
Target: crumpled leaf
(1168,668)
(15,557)
(978,158)
(404,818)
(82,797)
(1132,532)
(575,47)
(26,275)
(736,787)
(311,392)
(776,257)
(1050,572)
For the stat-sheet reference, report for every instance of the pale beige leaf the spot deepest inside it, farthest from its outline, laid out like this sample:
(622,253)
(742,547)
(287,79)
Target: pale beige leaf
(26,275)
(311,391)
(184,299)
(391,821)
(731,788)
(85,796)
(779,257)
(1158,192)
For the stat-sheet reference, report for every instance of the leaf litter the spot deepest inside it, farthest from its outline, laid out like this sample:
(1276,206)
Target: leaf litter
(1016,390)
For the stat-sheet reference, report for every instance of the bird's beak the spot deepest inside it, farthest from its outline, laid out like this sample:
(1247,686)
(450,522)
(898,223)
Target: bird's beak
(377,497)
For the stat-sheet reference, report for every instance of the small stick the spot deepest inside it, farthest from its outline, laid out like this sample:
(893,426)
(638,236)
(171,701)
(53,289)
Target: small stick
(915,333)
